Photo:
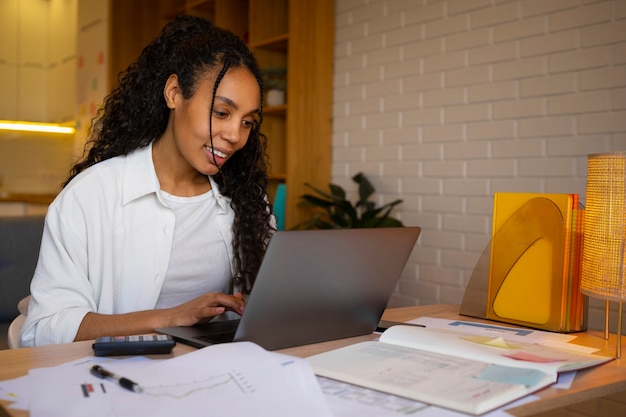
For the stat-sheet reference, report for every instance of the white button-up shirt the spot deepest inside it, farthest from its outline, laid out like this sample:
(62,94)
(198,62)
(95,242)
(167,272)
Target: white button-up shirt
(105,247)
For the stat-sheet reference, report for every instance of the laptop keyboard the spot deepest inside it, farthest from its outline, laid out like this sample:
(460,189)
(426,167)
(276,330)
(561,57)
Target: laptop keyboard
(217,337)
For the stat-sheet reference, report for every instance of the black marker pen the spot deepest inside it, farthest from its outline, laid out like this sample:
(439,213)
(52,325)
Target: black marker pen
(100,372)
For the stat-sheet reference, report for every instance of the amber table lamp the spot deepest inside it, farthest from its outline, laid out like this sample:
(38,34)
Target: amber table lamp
(604,245)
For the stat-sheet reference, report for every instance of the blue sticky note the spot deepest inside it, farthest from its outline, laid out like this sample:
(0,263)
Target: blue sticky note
(511,375)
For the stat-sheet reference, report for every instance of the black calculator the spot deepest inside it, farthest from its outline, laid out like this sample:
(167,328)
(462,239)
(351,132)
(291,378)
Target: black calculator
(147,344)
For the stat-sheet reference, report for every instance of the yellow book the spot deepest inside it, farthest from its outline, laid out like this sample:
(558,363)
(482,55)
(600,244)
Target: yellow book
(533,274)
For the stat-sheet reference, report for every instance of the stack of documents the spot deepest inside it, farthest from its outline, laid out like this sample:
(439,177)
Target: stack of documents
(237,379)
(243,379)
(453,365)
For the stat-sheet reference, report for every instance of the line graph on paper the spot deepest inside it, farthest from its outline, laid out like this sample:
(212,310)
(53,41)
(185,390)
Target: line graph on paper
(227,384)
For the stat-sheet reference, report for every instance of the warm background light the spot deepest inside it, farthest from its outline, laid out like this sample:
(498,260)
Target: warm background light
(35,127)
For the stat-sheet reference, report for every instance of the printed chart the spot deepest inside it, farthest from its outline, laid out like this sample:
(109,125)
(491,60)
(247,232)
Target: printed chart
(227,384)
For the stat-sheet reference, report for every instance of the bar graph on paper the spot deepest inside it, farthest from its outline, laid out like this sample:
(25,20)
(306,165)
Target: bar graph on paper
(89,390)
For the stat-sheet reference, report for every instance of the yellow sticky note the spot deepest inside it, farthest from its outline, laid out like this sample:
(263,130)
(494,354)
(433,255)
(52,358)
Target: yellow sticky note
(498,342)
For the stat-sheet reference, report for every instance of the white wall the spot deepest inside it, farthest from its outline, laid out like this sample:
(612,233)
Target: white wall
(443,102)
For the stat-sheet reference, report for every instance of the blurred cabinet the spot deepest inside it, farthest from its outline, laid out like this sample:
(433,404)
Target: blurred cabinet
(22,209)
(9,46)
(37,59)
(24,204)
(32,86)
(23,60)
(294,35)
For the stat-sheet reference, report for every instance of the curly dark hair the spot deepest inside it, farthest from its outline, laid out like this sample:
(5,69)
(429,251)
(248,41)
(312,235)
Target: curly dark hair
(135,114)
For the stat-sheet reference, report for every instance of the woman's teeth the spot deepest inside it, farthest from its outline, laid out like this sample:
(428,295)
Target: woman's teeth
(216,152)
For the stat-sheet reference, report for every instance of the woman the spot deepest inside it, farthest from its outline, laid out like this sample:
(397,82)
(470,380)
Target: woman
(165,221)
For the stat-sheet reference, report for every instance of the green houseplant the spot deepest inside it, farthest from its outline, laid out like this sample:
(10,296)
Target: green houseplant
(274,78)
(339,213)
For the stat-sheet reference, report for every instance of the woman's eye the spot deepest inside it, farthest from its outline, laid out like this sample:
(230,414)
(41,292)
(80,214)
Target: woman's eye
(248,124)
(219,114)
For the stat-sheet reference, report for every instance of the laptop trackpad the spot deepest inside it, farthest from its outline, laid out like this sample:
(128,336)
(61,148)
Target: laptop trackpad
(217,331)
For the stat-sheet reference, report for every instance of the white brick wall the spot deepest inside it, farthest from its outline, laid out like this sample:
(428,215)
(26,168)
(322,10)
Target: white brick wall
(443,102)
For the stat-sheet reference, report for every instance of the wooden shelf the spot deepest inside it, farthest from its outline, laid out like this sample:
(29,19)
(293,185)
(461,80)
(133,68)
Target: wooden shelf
(192,7)
(278,177)
(190,4)
(277,43)
(275,110)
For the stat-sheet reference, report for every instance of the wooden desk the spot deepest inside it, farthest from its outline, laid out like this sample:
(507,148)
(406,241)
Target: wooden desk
(589,384)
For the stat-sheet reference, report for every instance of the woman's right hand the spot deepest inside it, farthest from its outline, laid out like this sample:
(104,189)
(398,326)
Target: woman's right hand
(202,308)
(205,307)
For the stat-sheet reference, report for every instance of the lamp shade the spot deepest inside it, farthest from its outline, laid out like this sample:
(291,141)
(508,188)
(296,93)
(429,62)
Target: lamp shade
(604,244)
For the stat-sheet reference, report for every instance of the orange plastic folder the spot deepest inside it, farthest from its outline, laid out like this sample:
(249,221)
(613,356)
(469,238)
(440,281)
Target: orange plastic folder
(535,262)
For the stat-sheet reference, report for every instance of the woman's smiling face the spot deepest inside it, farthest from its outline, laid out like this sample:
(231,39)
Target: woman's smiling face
(236,106)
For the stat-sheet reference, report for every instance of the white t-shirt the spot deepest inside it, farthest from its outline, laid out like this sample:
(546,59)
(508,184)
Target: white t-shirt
(199,260)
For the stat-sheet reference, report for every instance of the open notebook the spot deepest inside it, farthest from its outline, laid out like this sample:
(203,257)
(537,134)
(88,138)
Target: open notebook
(314,286)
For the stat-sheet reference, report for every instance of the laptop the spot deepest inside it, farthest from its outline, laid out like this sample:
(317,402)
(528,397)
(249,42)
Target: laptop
(314,286)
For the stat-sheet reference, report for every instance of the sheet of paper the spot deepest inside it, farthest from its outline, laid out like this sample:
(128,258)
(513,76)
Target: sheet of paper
(15,390)
(455,343)
(446,381)
(558,340)
(347,400)
(18,389)
(235,379)
(565,380)
(344,400)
